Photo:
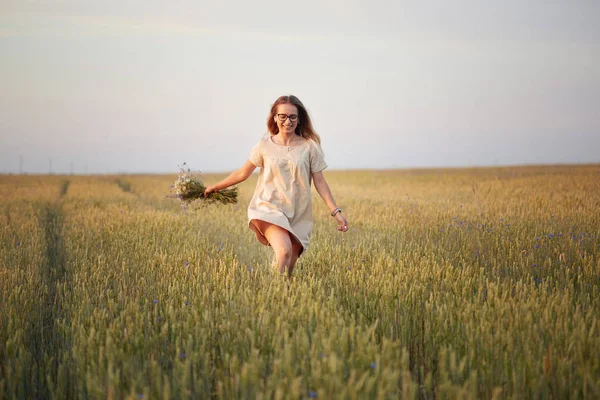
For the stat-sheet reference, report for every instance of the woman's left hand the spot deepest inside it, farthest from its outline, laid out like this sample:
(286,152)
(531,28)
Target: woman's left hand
(342,223)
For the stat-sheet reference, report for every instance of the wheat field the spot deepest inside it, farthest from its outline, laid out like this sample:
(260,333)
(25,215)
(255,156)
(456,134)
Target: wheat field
(450,283)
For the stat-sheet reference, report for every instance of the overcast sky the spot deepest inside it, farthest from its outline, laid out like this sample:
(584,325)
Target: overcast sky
(141,86)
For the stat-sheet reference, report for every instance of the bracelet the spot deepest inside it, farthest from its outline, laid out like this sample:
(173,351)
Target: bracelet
(337,210)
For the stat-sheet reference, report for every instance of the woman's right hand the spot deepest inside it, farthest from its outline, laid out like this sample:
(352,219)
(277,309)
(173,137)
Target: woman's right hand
(210,189)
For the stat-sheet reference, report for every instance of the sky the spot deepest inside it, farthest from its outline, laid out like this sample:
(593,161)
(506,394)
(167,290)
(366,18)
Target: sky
(142,86)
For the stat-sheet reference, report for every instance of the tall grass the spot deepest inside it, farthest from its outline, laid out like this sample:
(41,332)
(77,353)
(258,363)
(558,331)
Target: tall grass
(474,283)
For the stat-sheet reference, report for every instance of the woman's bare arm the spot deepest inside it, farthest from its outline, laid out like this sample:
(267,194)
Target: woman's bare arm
(237,176)
(325,193)
(323,189)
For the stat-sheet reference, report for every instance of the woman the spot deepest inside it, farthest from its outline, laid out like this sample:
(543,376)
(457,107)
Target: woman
(290,156)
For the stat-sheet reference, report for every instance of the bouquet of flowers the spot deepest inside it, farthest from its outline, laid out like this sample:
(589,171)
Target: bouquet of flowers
(188,188)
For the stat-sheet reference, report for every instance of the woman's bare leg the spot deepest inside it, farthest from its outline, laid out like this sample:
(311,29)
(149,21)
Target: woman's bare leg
(279,239)
(281,246)
(296,248)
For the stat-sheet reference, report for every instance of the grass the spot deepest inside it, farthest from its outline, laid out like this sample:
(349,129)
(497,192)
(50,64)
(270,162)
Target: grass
(465,283)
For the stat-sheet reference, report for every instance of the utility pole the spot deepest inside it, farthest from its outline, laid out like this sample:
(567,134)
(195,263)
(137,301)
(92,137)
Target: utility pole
(50,166)
(21,164)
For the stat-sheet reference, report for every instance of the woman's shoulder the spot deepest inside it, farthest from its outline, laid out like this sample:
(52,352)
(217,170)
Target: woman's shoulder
(314,145)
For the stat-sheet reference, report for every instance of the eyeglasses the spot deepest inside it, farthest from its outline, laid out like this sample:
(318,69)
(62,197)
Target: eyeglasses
(283,117)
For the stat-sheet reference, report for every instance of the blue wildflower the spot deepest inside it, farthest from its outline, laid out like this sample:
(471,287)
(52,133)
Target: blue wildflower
(155,301)
(312,395)
(373,365)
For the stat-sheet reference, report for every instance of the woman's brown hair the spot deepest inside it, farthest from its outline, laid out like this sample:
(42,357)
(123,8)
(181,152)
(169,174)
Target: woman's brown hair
(304,127)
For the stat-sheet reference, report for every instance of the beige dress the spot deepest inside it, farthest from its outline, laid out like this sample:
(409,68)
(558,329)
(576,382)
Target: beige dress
(282,195)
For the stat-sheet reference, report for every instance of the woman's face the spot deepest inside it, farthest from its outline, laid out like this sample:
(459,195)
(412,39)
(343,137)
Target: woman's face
(286,118)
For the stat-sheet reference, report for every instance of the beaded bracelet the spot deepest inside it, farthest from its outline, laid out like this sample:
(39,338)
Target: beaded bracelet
(337,210)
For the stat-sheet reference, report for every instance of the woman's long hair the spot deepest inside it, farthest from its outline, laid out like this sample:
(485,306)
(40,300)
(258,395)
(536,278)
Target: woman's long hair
(304,127)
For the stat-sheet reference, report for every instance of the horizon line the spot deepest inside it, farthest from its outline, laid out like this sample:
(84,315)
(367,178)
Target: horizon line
(421,168)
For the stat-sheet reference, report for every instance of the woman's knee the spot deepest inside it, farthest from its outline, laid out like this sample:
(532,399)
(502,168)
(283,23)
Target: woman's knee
(283,251)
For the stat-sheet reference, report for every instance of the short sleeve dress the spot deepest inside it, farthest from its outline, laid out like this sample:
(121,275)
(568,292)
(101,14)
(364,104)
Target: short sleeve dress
(283,195)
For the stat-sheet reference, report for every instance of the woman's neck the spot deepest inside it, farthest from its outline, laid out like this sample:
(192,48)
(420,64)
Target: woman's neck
(287,139)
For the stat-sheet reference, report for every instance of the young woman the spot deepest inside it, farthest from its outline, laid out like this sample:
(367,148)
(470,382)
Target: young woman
(289,157)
